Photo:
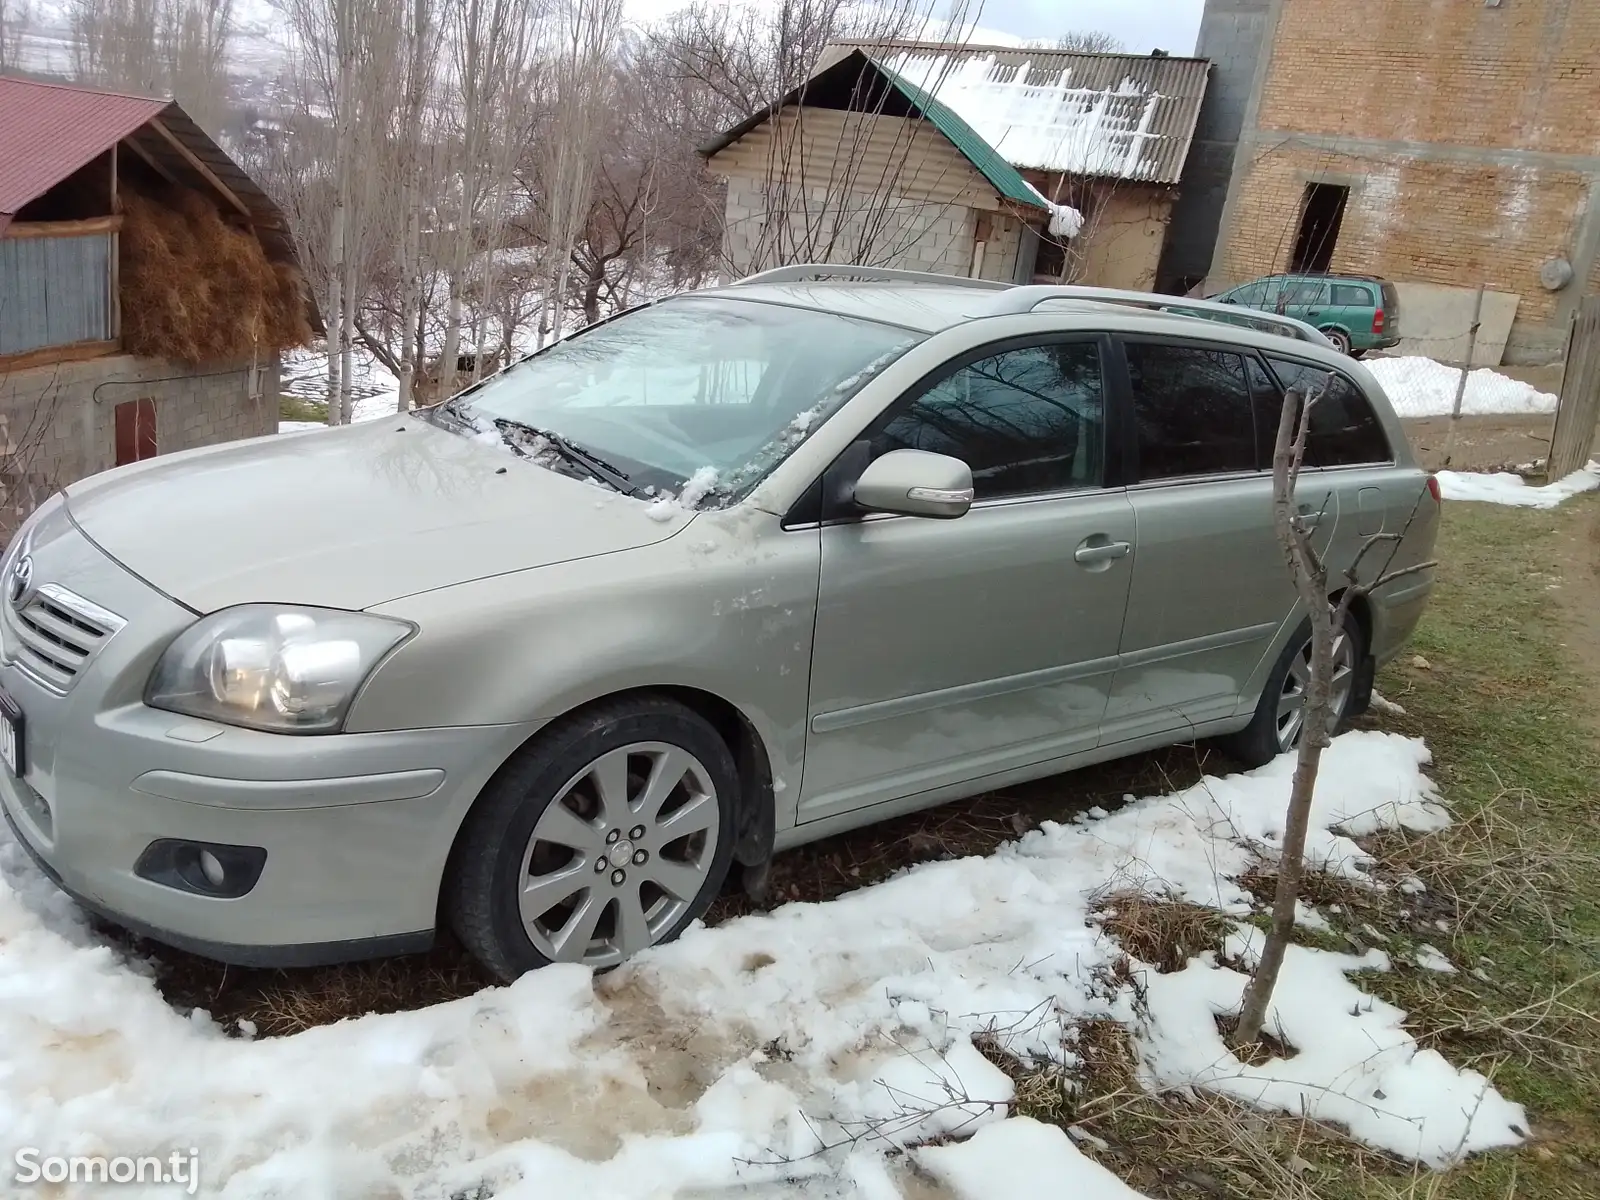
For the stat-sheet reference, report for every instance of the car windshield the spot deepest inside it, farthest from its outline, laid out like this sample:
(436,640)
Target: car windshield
(712,389)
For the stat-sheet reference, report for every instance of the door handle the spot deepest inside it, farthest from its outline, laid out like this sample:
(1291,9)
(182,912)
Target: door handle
(1311,517)
(1092,551)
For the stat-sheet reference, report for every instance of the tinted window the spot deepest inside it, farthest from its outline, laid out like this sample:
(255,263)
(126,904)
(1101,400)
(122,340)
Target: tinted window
(1351,295)
(1344,429)
(1026,421)
(1193,411)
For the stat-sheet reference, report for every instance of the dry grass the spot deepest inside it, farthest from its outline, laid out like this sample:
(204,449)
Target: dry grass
(1172,1145)
(196,290)
(1163,932)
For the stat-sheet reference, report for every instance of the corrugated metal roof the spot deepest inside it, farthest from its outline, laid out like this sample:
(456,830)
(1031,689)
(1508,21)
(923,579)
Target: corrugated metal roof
(1004,178)
(49,130)
(1122,116)
(853,80)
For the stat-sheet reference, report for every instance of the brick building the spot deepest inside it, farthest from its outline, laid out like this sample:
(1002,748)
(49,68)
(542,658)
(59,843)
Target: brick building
(1434,142)
(81,388)
(956,158)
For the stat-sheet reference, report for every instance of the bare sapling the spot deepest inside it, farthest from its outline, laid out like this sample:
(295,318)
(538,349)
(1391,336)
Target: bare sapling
(1310,573)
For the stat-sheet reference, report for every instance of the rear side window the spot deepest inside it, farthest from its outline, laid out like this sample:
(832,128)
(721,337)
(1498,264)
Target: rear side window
(1351,295)
(1344,430)
(1027,421)
(1193,411)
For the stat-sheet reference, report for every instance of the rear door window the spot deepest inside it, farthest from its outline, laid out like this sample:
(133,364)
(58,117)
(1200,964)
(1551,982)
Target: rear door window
(1345,431)
(1192,408)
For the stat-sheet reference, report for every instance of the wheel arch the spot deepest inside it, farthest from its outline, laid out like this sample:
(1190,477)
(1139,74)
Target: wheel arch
(756,819)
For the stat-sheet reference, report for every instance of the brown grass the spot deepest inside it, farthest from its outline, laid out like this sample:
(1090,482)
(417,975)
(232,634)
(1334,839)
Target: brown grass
(1160,931)
(196,290)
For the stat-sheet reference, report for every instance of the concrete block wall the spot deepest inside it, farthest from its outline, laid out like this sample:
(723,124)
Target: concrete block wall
(1468,133)
(871,230)
(58,423)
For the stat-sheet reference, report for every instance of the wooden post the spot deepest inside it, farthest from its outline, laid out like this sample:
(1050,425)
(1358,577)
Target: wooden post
(114,271)
(1461,384)
(1572,440)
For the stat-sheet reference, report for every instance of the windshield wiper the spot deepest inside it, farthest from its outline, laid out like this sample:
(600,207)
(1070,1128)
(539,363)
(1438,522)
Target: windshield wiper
(570,451)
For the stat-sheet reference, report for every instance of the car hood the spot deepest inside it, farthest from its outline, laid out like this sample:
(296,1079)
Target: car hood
(350,517)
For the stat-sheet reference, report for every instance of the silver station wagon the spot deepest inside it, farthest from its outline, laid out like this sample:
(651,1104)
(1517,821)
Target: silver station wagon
(750,566)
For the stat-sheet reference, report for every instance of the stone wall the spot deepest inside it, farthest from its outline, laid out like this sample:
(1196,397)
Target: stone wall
(58,423)
(1468,134)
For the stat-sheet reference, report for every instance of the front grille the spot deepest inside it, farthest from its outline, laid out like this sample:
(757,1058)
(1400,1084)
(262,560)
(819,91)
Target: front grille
(55,632)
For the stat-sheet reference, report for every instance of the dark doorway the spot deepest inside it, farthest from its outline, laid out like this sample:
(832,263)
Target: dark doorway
(1321,214)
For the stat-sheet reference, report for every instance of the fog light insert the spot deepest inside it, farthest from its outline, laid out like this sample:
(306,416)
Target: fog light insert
(203,868)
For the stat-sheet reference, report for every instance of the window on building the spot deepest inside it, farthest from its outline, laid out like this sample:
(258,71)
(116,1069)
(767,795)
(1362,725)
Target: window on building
(1193,411)
(1344,430)
(1028,422)
(136,430)
(1321,215)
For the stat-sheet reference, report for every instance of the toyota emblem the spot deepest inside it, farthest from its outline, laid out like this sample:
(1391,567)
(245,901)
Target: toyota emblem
(21,578)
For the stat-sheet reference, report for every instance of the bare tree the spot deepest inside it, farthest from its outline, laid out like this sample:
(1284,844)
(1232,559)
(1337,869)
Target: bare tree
(1311,579)
(176,48)
(16,16)
(581,74)
(1089,41)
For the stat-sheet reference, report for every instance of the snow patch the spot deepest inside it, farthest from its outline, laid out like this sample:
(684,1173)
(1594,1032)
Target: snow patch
(698,486)
(1021,1159)
(1421,387)
(1502,487)
(1431,958)
(780,1054)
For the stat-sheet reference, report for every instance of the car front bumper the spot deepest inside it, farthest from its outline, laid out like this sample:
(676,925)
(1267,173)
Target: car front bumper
(356,828)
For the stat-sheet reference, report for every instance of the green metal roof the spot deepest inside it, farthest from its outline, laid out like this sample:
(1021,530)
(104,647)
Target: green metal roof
(1007,182)
(1006,179)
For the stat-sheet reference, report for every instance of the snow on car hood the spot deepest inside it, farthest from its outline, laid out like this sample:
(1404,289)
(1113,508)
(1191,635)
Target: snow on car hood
(350,517)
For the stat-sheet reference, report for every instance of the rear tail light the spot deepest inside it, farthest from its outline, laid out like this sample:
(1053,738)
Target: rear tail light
(1433,489)
(1377,321)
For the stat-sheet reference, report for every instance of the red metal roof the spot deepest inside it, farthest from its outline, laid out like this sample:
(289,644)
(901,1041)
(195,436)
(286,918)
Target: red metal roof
(49,130)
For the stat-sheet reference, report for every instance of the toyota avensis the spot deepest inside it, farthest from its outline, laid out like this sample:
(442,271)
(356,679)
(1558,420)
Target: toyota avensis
(723,574)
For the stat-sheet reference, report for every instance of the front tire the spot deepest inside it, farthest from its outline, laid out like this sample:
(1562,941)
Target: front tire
(607,834)
(1279,718)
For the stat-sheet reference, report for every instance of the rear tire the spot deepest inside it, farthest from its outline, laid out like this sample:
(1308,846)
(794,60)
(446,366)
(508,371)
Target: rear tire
(1272,731)
(1339,338)
(609,832)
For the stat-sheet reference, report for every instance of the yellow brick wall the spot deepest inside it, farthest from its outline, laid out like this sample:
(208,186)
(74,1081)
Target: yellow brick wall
(1414,220)
(1523,74)
(1437,80)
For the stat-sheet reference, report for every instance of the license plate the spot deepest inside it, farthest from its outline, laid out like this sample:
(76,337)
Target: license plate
(11,735)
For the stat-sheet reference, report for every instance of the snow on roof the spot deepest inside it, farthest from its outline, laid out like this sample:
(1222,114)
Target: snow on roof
(1118,115)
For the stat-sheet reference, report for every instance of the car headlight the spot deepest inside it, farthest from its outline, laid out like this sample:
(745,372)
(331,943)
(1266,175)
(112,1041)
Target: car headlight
(280,668)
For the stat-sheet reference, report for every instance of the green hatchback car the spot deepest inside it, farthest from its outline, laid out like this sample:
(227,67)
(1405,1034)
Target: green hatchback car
(1357,313)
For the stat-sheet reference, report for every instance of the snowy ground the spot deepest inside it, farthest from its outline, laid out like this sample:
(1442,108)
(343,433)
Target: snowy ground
(1421,387)
(778,1055)
(1502,487)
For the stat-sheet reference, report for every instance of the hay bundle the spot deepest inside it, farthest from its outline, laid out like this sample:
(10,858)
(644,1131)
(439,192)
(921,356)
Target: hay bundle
(196,290)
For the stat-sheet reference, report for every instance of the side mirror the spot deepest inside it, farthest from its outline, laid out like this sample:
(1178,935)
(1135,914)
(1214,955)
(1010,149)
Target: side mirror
(915,483)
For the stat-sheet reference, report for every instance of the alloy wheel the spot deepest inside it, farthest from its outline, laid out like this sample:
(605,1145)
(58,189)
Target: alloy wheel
(619,855)
(1292,699)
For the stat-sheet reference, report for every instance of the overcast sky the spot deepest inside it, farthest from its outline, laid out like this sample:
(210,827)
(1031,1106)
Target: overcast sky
(1141,25)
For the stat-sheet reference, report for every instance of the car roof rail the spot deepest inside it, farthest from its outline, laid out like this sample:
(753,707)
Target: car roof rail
(1026,298)
(817,272)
